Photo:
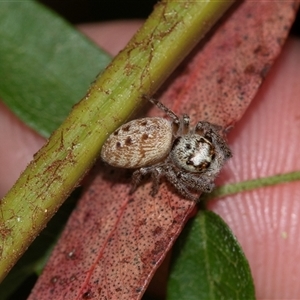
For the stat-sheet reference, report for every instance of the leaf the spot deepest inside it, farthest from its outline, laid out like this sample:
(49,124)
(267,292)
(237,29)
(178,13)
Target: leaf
(58,167)
(208,263)
(225,74)
(40,74)
(113,242)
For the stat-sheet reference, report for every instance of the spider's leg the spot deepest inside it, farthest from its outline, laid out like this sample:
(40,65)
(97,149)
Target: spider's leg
(185,125)
(181,127)
(206,127)
(175,180)
(156,174)
(197,182)
(137,177)
(168,111)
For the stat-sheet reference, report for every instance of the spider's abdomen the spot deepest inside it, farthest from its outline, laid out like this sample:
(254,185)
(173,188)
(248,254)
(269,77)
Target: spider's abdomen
(138,143)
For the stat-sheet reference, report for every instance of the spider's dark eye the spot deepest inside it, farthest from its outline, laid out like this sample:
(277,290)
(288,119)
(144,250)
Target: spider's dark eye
(188,146)
(208,137)
(188,162)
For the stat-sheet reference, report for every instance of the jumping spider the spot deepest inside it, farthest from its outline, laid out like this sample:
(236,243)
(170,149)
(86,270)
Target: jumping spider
(189,158)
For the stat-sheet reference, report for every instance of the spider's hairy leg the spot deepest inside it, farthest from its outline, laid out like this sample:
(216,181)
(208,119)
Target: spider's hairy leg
(184,125)
(204,127)
(156,174)
(138,175)
(197,183)
(165,109)
(175,180)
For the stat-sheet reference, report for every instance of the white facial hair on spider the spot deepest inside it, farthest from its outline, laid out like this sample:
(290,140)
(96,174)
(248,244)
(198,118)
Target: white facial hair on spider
(189,158)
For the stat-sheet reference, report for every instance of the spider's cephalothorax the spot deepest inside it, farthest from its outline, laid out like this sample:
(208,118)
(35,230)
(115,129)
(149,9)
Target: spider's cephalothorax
(189,158)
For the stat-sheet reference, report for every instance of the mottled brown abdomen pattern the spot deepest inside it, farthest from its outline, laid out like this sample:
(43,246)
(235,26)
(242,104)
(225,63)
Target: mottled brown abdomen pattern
(138,143)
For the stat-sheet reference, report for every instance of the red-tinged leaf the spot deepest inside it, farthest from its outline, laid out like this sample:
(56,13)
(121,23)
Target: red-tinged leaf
(223,77)
(112,245)
(114,242)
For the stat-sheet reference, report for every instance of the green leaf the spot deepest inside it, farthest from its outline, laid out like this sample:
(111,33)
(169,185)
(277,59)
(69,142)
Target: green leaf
(46,66)
(208,263)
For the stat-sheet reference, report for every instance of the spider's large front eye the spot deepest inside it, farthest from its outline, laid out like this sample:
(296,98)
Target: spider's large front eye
(192,153)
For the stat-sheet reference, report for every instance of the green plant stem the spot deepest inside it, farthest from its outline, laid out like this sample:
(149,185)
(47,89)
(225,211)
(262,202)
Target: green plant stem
(160,45)
(231,189)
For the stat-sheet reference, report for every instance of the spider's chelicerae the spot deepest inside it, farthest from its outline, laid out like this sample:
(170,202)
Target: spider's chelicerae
(189,158)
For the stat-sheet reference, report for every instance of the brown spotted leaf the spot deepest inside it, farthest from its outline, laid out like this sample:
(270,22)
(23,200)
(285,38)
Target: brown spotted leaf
(114,242)
(112,245)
